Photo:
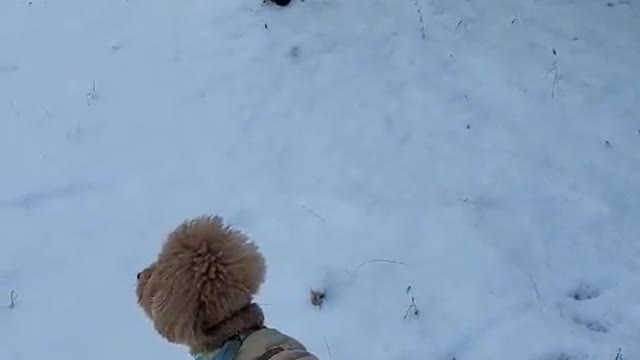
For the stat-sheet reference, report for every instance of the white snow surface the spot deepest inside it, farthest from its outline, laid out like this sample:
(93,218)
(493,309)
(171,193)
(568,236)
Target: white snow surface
(499,181)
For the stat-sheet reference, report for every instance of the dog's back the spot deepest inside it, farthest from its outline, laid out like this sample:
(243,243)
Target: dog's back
(271,344)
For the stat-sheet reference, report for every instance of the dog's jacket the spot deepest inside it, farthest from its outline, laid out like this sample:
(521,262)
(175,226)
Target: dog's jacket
(263,344)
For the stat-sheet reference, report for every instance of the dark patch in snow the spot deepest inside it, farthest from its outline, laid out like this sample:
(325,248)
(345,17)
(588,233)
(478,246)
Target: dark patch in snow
(595,325)
(116,47)
(562,356)
(37,198)
(620,2)
(294,52)
(585,292)
(10,68)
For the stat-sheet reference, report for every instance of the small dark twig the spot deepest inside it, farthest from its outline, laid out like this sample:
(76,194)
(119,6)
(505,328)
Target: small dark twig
(328,348)
(553,69)
(92,95)
(13,297)
(313,212)
(423,32)
(535,287)
(412,310)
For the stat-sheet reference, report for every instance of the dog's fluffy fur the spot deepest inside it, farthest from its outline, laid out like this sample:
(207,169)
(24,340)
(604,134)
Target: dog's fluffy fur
(199,290)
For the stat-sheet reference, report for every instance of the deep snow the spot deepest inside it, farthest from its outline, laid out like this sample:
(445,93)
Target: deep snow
(493,166)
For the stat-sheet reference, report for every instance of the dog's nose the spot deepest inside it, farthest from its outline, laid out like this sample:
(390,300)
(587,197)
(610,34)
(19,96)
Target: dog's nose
(138,276)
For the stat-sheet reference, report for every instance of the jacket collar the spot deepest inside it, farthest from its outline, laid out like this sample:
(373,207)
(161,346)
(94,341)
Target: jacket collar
(228,351)
(240,324)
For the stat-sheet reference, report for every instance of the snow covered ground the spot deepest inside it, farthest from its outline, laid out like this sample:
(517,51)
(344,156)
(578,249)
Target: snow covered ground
(491,165)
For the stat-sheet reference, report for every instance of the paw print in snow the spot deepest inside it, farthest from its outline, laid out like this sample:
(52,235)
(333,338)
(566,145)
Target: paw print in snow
(584,292)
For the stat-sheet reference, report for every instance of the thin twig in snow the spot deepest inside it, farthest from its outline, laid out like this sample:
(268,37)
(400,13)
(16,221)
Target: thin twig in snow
(553,69)
(13,297)
(328,348)
(535,287)
(423,32)
(314,213)
(412,310)
(354,271)
(379,260)
(92,95)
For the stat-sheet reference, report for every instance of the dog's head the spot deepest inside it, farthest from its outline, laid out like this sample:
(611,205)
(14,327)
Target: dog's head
(205,272)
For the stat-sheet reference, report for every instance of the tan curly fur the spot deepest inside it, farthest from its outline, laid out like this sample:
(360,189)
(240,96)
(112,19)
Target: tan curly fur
(202,283)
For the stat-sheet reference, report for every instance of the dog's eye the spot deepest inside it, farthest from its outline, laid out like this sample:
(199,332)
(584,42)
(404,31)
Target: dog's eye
(138,276)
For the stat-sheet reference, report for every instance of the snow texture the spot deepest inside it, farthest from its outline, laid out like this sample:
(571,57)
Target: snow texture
(485,154)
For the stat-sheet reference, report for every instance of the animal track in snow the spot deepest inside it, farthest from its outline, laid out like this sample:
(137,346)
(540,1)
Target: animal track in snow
(584,292)
(562,356)
(591,325)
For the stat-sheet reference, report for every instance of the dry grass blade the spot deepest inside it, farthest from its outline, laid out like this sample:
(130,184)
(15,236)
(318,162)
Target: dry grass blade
(379,261)
(328,348)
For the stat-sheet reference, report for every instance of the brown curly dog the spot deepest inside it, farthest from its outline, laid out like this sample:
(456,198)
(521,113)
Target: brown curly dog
(199,293)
